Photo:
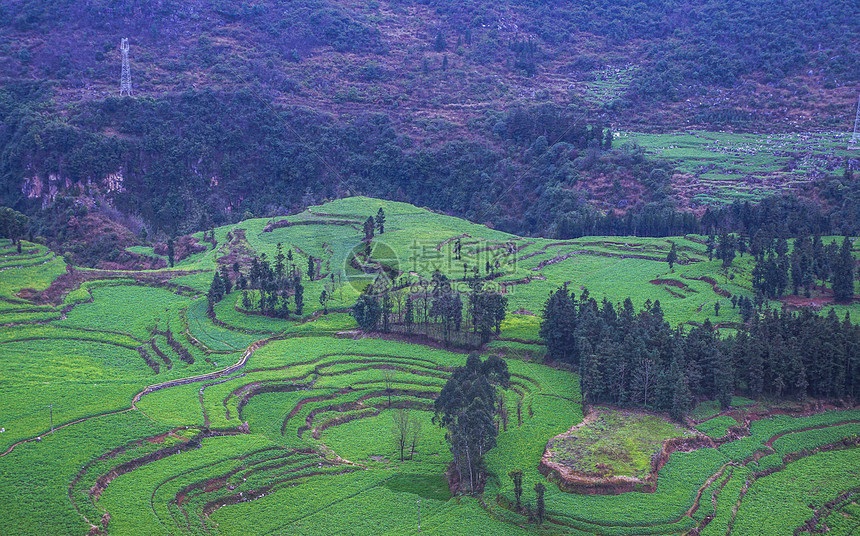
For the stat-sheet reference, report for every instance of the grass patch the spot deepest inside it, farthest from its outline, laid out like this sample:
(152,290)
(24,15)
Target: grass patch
(614,443)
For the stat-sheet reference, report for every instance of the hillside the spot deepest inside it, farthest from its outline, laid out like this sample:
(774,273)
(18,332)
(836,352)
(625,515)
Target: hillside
(662,64)
(504,113)
(233,422)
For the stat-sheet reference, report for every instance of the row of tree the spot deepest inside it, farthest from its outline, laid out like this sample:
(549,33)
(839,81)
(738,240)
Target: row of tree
(440,304)
(632,358)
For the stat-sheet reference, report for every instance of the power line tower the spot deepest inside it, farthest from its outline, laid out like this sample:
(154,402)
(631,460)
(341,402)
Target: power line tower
(125,80)
(855,139)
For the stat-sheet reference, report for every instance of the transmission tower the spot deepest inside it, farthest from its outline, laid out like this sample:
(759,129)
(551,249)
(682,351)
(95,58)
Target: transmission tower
(855,139)
(125,80)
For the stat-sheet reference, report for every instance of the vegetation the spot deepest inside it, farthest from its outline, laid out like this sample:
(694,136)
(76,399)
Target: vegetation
(208,326)
(286,417)
(638,355)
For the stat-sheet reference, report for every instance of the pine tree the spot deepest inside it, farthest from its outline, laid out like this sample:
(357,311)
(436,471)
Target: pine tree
(672,256)
(279,261)
(299,297)
(216,290)
(681,397)
(380,220)
(726,250)
(311,268)
(386,312)
(558,326)
(843,273)
(724,379)
(517,477)
(225,278)
(369,225)
(409,315)
(540,489)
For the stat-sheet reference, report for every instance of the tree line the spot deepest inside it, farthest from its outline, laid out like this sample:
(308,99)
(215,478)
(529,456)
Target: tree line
(435,307)
(634,358)
(777,270)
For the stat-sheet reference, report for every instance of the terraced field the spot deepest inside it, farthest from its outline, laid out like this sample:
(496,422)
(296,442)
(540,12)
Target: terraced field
(720,167)
(169,420)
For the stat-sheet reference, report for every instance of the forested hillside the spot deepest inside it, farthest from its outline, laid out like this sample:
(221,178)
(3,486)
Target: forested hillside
(500,112)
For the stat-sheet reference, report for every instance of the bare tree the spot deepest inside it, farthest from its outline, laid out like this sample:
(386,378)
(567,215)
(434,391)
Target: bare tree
(402,424)
(388,381)
(645,379)
(415,435)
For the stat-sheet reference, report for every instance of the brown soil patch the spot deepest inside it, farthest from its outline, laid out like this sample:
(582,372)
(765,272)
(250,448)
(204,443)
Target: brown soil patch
(711,281)
(669,282)
(819,297)
(285,223)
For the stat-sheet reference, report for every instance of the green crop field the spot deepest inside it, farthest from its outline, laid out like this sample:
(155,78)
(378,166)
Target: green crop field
(720,167)
(172,419)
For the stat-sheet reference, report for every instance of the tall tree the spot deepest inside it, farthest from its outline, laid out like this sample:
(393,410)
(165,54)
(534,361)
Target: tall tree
(386,312)
(299,297)
(672,256)
(369,225)
(409,316)
(171,252)
(558,327)
(225,278)
(464,408)
(216,290)
(380,220)
(540,512)
(279,261)
(726,249)
(843,273)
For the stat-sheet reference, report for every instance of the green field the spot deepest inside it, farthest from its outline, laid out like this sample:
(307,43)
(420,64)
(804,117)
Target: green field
(169,420)
(718,168)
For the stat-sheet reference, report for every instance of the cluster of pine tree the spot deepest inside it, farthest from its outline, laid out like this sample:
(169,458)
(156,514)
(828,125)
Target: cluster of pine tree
(267,288)
(439,303)
(776,269)
(631,358)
